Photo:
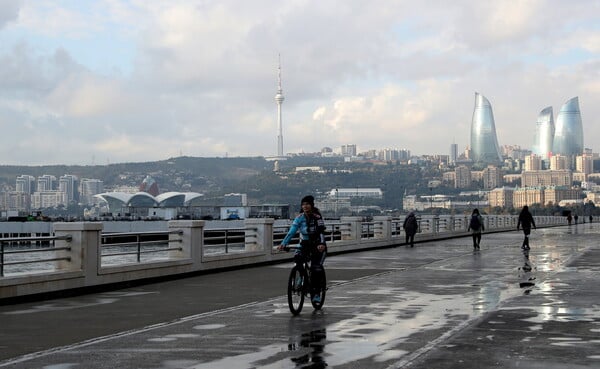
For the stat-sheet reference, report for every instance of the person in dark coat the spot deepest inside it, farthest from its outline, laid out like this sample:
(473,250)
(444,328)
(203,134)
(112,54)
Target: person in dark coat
(476,227)
(410,228)
(526,221)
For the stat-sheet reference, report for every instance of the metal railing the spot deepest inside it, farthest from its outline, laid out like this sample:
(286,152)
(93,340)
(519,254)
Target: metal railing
(333,233)
(118,245)
(143,247)
(7,248)
(224,240)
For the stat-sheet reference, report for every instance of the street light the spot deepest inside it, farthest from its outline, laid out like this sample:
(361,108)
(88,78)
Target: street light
(431,198)
(335,209)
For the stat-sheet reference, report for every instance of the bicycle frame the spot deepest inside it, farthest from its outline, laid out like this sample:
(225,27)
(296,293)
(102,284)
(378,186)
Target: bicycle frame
(299,286)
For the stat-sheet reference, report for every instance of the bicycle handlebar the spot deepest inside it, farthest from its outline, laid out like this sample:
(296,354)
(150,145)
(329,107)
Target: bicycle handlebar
(288,248)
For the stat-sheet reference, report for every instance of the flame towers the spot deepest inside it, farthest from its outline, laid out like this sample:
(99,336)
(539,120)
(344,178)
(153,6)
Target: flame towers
(484,143)
(568,138)
(544,133)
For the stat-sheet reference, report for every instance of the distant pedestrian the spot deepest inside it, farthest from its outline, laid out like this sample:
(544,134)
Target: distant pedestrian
(569,218)
(476,227)
(576,217)
(591,218)
(526,221)
(410,228)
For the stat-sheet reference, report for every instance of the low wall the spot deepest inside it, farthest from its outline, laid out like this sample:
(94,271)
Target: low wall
(83,268)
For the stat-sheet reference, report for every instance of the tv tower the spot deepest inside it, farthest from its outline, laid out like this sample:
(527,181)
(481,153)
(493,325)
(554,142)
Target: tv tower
(279,100)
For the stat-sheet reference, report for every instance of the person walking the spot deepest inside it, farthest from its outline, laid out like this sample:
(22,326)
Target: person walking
(476,227)
(410,228)
(526,221)
(311,226)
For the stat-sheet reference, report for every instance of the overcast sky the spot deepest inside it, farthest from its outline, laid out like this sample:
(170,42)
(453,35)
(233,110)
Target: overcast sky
(107,81)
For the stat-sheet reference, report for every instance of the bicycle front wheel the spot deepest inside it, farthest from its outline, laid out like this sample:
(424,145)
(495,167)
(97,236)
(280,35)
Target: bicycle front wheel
(296,289)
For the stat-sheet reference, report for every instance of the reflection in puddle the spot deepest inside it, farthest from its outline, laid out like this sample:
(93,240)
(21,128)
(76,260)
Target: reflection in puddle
(526,274)
(314,340)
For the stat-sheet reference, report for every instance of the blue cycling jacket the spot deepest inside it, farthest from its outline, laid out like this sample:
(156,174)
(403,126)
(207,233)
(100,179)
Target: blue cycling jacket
(311,228)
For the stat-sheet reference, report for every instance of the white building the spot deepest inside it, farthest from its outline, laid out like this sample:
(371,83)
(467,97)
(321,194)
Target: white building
(88,188)
(69,184)
(25,183)
(346,193)
(46,183)
(48,199)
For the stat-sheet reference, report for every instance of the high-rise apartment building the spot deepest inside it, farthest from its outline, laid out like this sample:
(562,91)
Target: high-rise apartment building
(453,153)
(25,183)
(559,162)
(492,177)
(404,154)
(389,155)
(584,164)
(46,183)
(88,188)
(69,184)
(484,143)
(16,200)
(462,177)
(533,162)
(348,150)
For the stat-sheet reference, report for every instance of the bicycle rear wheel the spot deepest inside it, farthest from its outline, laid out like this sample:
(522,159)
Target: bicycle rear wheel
(295,289)
(317,305)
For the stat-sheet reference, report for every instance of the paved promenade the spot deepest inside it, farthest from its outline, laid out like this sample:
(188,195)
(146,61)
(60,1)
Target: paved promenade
(438,305)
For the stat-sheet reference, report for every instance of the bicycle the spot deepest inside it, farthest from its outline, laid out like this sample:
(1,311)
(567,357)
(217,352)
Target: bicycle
(299,286)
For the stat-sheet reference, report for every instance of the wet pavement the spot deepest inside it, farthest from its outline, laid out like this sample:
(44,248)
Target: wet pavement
(438,305)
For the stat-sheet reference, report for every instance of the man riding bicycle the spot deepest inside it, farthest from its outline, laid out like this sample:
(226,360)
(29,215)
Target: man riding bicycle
(311,226)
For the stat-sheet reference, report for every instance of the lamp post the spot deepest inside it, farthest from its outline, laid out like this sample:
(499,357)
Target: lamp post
(336,203)
(431,199)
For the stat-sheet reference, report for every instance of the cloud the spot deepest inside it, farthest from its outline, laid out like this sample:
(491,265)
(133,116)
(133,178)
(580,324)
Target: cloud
(201,76)
(9,11)
(85,95)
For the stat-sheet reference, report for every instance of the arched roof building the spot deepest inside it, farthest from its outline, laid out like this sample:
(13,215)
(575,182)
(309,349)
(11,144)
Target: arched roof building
(119,202)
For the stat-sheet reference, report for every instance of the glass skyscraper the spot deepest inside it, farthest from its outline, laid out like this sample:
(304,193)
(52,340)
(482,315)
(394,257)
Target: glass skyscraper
(568,137)
(544,133)
(484,143)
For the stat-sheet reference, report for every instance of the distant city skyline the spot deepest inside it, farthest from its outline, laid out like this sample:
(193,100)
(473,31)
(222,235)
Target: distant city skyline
(115,81)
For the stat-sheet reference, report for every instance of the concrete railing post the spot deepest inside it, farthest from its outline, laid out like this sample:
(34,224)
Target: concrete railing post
(351,228)
(190,239)
(259,234)
(435,225)
(85,247)
(383,227)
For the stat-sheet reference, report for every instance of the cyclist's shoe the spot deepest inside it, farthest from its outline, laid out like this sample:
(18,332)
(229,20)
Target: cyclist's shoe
(316,299)
(298,281)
